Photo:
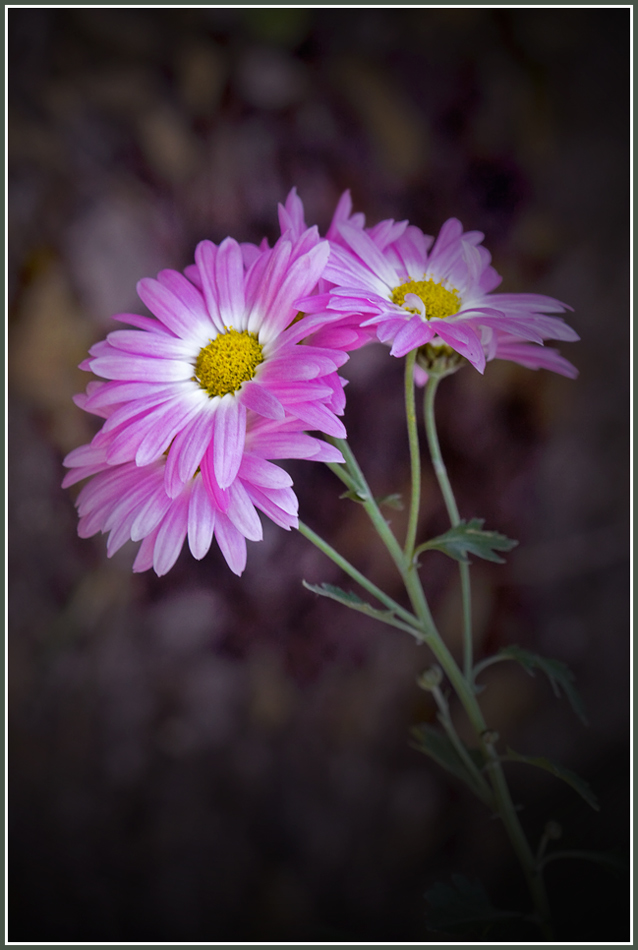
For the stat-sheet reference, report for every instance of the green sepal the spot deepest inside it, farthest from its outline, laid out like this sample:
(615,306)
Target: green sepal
(557,672)
(463,908)
(439,747)
(577,783)
(468,537)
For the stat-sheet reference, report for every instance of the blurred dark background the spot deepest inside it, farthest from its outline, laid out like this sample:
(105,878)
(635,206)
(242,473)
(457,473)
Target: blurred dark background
(207,758)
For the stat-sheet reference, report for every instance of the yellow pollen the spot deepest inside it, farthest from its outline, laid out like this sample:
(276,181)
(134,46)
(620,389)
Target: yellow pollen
(439,301)
(228,361)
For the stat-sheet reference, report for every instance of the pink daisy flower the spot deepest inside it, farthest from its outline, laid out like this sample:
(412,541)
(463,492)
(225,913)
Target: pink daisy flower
(224,345)
(415,294)
(130,502)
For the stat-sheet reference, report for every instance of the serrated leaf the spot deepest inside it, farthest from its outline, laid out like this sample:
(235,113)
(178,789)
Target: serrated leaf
(577,783)
(439,747)
(347,598)
(462,908)
(468,537)
(558,673)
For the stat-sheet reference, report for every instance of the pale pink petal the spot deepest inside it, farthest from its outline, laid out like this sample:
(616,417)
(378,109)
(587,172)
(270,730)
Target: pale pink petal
(259,471)
(143,323)
(151,344)
(241,512)
(229,272)
(170,537)
(319,417)
(414,333)
(201,520)
(365,248)
(168,308)
(228,439)
(271,508)
(188,448)
(254,396)
(141,368)
(463,339)
(144,559)
(231,543)
(205,257)
(299,280)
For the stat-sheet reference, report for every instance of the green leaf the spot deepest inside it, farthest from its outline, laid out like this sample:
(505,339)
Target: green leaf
(391,501)
(463,908)
(353,495)
(577,783)
(468,537)
(558,673)
(439,747)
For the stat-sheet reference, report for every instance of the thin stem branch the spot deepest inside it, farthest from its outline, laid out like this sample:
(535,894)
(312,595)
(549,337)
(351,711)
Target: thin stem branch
(415,458)
(481,786)
(453,512)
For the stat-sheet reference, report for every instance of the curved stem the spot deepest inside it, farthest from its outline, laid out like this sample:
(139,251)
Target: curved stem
(415,458)
(453,512)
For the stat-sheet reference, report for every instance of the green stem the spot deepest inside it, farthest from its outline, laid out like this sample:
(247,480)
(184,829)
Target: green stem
(481,786)
(461,683)
(415,458)
(453,512)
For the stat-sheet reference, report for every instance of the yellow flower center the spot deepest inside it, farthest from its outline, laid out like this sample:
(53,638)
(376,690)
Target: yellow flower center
(228,361)
(439,301)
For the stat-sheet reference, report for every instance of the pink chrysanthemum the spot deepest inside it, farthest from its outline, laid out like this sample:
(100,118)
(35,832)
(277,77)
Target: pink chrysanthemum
(182,384)
(129,502)
(197,400)
(414,295)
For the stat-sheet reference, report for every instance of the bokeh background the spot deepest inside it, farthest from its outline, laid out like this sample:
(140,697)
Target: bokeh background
(206,758)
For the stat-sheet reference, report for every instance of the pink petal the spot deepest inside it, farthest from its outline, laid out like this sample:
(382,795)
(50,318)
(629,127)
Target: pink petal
(144,559)
(365,248)
(170,537)
(231,543)
(168,308)
(187,450)
(141,368)
(414,333)
(241,512)
(205,257)
(270,507)
(319,417)
(254,396)
(228,439)
(229,271)
(300,278)
(201,520)
(259,471)
(463,339)
(143,323)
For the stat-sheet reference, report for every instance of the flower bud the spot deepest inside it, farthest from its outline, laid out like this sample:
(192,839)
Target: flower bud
(430,679)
